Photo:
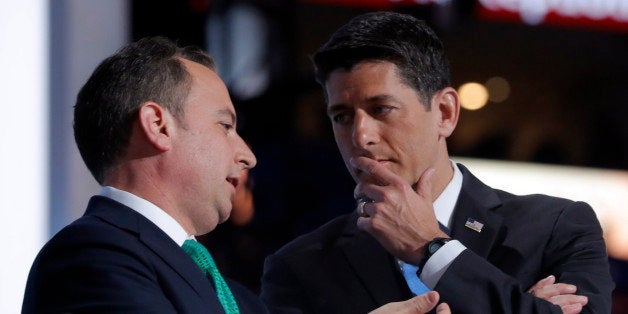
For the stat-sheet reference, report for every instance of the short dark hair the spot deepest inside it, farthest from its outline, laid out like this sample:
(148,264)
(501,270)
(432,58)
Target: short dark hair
(107,105)
(387,36)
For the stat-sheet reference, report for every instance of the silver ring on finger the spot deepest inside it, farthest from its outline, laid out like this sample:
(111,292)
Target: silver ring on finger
(360,208)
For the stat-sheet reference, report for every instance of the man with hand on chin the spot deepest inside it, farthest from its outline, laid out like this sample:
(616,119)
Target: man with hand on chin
(424,222)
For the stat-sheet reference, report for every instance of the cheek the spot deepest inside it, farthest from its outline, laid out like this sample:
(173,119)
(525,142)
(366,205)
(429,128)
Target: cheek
(343,141)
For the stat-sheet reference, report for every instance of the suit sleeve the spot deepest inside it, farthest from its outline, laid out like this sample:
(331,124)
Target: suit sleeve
(281,291)
(575,254)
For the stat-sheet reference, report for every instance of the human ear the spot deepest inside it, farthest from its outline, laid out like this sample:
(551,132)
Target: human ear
(447,102)
(157,125)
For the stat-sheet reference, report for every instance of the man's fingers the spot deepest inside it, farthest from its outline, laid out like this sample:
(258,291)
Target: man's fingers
(425,302)
(572,309)
(418,305)
(554,290)
(542,283)
(424,187)
(443,308)
(560,294)
(365,190)
(377,172)
(569,299)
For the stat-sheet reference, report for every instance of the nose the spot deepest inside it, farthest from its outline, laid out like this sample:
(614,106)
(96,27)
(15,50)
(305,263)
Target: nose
(244,155)
(364,130)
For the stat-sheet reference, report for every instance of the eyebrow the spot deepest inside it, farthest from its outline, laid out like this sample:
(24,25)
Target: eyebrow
(377,98)
(228,113)
(336,107)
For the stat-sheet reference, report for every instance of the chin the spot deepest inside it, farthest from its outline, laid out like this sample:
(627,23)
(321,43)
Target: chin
(224,215)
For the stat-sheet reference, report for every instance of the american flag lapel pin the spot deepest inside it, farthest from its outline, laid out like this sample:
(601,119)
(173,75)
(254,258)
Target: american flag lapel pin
(474,225)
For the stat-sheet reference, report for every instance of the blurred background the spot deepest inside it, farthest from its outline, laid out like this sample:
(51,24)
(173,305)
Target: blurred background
(543,83)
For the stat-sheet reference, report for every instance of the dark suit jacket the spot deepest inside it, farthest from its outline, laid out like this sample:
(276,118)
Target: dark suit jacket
(340,269)
(114,260)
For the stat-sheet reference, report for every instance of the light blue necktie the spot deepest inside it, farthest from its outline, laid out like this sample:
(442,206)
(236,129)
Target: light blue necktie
(412,278)
(410,273)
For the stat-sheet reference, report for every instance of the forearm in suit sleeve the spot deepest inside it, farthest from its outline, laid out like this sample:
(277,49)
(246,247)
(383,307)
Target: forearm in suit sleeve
(281,292)
(575,254)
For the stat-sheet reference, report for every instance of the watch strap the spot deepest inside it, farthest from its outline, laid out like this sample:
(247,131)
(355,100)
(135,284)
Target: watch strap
(430,248)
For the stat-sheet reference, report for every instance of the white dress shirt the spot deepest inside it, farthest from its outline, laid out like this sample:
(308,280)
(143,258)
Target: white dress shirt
(149,210)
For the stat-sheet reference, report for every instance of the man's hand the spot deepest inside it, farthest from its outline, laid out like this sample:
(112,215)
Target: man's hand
(417,305)
(400,218)
(561,294)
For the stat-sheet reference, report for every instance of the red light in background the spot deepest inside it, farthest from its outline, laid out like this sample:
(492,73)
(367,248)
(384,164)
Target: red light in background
(601,15)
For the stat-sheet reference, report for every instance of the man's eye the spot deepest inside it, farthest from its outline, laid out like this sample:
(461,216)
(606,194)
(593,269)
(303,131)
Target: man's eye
(227,126)
(379,110)
(340,118)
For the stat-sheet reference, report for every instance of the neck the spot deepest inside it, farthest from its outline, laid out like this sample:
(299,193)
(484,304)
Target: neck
(142,178)
(444,173)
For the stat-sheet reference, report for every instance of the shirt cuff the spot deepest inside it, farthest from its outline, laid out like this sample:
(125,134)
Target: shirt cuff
(438,264)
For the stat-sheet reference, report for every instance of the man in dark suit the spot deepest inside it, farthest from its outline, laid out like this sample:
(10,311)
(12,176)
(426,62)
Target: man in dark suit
(155,126)
(422,221)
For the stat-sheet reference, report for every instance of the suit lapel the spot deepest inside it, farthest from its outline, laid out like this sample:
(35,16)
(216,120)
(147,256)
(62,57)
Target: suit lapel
(373,265)
(476,201)
(156,240)
(178,260)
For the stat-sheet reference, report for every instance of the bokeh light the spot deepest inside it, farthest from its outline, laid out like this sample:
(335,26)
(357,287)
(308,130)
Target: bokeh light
(473,96)
(498,89)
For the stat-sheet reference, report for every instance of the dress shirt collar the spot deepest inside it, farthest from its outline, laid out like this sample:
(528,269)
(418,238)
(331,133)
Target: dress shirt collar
(446,201)
(149,210)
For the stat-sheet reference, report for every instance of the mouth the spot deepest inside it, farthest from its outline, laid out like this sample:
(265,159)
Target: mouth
(233,181)
(360,173)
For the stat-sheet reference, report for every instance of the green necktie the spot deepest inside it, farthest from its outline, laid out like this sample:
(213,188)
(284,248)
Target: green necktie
(204,260)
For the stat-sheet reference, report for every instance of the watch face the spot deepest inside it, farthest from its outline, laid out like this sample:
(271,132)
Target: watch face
(434,246)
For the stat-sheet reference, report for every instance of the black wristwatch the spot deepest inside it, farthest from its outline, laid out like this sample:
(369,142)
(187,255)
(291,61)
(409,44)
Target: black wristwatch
(433,246)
